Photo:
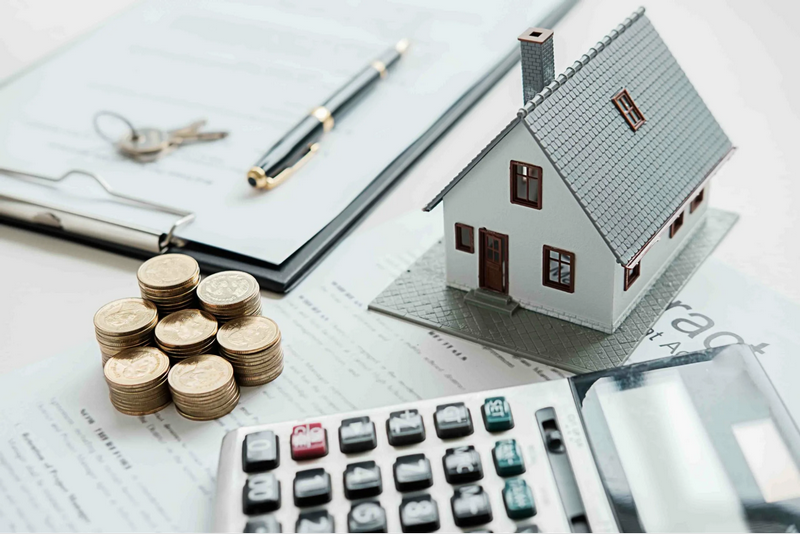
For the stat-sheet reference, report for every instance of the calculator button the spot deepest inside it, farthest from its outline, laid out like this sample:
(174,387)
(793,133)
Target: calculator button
(260,452)
(471,506)
(508,458)
(412,472)
(265,523)
(362,479)
(320,521)
(462,464)
(367,517)
(497,414)
(419,514)
(312,487)
(357,435)
(528,528)
(309,441)
(452,421)
(404,428)
(261,494)
(518,499)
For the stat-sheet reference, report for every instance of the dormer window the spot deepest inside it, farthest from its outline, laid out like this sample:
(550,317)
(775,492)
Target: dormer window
(526,185)
(629,109)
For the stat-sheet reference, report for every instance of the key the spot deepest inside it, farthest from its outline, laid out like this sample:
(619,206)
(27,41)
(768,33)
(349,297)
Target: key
(149,144)
(470,506)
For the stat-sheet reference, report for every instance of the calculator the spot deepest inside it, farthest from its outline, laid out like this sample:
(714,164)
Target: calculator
(696,442)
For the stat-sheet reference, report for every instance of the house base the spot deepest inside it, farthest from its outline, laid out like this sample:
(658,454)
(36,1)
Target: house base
(421,295)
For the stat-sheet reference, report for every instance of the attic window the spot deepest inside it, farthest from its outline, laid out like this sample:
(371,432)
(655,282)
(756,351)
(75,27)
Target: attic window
(526,184)
(629,109)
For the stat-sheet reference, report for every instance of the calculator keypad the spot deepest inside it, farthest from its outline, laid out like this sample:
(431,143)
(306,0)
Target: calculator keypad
(471,506)
(405,428)
(412,472)
(419,514)
(362,479)
(319,484)
(312,487)
(462,464)
(261,494)
(260,452)
(452,421)
(367,516)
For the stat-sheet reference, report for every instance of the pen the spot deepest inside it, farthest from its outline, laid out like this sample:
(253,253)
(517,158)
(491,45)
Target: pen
(302,141)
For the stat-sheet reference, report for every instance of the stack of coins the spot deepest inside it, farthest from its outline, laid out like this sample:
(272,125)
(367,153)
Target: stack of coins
(203,387)
(186,333)
(137,380)
(230,294)
(169,280)
(253,346)
(123,324)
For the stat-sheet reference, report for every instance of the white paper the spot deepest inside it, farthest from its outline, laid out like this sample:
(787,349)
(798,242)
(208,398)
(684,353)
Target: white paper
(69,462)
(254,69)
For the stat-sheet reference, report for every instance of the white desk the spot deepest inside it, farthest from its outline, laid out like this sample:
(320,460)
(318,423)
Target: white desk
(740,55)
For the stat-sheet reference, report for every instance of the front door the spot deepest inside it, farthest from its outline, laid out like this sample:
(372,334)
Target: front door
(494,261)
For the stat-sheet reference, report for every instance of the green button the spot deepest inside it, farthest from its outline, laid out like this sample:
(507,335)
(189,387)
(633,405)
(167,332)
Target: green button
(518,499)
(508,458)
(497,414)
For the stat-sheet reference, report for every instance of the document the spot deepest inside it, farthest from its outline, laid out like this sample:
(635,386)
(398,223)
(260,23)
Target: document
(69,462)
(253,69)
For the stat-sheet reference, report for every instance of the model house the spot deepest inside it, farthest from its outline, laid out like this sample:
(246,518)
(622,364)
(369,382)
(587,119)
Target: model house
(578,205)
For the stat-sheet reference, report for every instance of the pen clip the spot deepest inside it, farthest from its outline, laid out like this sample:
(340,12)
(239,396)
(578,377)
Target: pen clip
(270,182)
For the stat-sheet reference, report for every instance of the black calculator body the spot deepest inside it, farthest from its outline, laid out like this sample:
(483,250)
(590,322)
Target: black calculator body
(690,443)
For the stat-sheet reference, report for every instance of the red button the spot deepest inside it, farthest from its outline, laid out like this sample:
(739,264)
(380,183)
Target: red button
(309,441)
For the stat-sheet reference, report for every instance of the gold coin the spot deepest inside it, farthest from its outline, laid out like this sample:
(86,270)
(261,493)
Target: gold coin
(167,271)
(186,327)
(136,366)
(248,334)
(200,374)
(125,316)
(227,287)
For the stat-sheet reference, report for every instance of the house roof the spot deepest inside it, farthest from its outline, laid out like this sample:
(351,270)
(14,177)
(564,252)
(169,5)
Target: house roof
(629,183)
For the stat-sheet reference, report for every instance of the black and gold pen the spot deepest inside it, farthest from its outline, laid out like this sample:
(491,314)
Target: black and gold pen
(302,141)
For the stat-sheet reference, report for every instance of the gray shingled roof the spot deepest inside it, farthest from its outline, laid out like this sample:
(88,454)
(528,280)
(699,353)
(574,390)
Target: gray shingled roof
(629,183)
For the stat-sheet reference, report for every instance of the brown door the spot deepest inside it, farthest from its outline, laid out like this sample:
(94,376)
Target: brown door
(494,261)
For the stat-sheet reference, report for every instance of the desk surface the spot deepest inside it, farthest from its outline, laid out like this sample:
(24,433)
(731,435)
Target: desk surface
(739,54)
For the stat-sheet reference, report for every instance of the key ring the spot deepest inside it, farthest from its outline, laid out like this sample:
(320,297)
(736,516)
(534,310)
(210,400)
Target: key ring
(134,133)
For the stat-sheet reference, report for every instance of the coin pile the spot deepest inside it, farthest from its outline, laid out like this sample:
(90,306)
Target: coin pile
(169,281)
(230,294)
(203,387)
(123,324)
(253,346)
(186,333)
(137,380)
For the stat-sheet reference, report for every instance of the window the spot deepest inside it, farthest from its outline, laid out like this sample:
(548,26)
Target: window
(676,225)
(629,109)
(559,269)
(696,201)
(526,185)
(632,274)
(465,238)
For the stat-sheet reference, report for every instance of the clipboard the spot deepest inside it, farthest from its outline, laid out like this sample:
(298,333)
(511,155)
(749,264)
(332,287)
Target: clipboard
(143,243)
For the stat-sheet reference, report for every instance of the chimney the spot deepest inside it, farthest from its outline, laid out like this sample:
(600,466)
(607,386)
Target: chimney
(538,66)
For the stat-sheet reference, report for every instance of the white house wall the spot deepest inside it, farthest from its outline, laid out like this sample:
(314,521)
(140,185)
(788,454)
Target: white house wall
(482,200)
(655,261)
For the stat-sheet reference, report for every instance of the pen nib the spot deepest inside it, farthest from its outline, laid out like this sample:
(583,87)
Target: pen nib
(401,46)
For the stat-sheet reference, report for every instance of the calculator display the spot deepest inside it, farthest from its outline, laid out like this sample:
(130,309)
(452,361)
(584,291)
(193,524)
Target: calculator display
(697,444)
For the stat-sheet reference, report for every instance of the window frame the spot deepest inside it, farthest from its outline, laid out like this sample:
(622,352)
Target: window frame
(512,172)
(632,274)
(697,200)
(546,250)
(676,225)
(632,114)
(459,246)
